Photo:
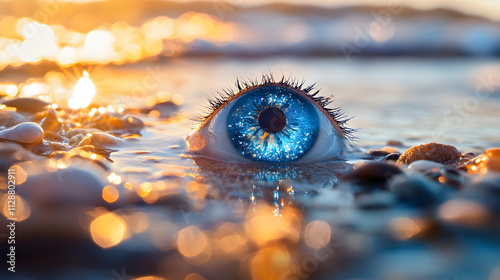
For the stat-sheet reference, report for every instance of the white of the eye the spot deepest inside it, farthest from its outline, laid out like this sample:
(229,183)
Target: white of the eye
(329,143)
(217,143)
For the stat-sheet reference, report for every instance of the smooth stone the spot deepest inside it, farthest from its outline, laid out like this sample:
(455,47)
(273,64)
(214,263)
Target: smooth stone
(395,143)
(493,164)
(76,139)
(51,113)
(372,173)
(27,104)
(441,153)
(100,139)
(49,125)
(467,156)
(377,153)
(416,190)
(82,131)
(488,162)
(107,121)
(11,153)
(165,108)
(423,165)
(493,152)
(26,133)
(81,182)
(9,118)
(132,122)
(393,156)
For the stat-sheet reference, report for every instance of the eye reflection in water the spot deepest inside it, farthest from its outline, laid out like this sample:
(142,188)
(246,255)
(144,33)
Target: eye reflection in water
(271,122)
(279,185)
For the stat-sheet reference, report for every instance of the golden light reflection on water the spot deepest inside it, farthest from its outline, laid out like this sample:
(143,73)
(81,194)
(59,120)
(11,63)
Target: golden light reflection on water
(108,230)
(150,278)
(194,276)
(33,42)
(191,242)
(110,194)
(21,174)
(317,234)
(263,226)
(162,235)
(21,209)
(270,263)
(405,228)
(230,239)
(137,222)
(463,212)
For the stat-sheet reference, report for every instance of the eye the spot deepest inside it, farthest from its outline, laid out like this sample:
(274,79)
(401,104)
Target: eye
(272,121)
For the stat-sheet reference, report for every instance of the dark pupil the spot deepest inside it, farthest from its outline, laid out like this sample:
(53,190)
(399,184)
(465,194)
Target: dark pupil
(272,120)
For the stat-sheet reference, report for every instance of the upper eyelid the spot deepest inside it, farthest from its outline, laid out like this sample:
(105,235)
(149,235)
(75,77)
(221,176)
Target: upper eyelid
(337,117)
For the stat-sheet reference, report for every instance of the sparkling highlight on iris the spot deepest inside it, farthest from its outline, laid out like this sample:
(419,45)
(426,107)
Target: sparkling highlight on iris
(273,124)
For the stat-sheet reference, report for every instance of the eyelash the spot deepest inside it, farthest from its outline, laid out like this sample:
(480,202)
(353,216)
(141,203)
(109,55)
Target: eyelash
(224,96)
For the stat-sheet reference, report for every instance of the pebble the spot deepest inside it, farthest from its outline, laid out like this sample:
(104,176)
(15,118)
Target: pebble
(485,163)
(493,152)
(76,139)
(81,182)
(107,121)
(377,153)
(9,118)
(25,133)
(393,156)
(424,165)
(395,143)
(100,139)
(441,153)
(50,124)
(27,104)
(415,190)
(372,173)
(163,109)
(81,131)
(132,122)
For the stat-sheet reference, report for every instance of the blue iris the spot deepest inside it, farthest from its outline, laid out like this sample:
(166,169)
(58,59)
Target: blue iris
(273,124)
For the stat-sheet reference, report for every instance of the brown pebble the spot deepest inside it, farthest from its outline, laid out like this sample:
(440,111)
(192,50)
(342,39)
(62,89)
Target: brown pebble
(27,104)
(485,163)
(493,152)
(395,143)
(132,121)
(372,173)
(441,153)
(393,156)
(377,153)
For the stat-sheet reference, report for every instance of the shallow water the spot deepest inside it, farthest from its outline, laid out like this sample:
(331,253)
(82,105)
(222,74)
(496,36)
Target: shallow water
(186,208)
(411,100)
